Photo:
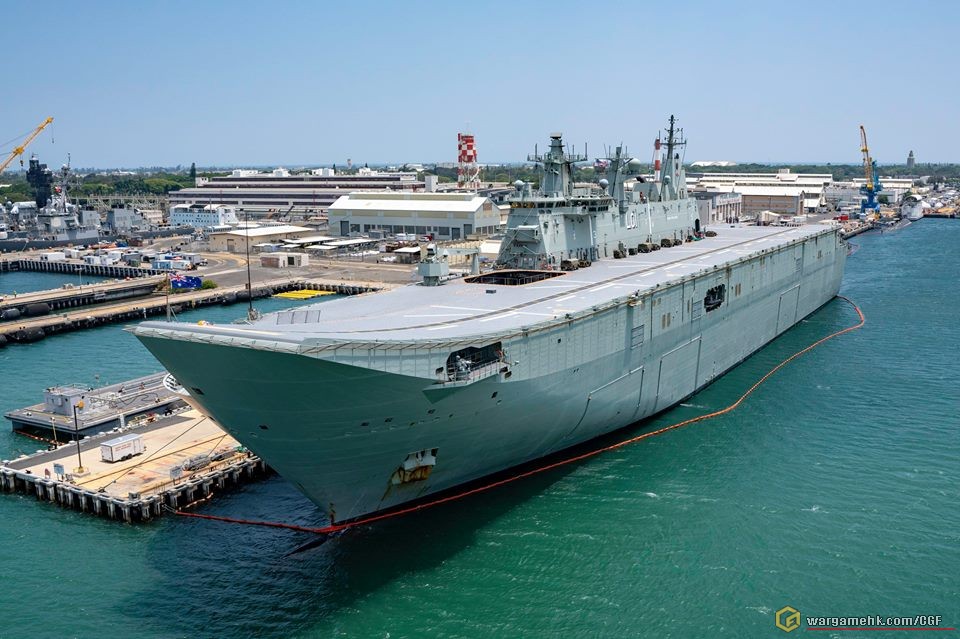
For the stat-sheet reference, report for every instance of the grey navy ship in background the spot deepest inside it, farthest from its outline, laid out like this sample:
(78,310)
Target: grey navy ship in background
(608,304)
(51,216)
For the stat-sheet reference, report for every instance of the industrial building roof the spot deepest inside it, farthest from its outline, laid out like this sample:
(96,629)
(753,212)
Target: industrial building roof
(810,183)
(785,176)
(353,242)
(261,231)
(888,182)
(310,239)
(215,194)
(376,202)
(771,190)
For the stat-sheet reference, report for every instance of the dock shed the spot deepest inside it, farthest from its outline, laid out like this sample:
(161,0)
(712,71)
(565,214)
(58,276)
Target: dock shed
(407,254)
(280,259)
(449,216)
(234,241)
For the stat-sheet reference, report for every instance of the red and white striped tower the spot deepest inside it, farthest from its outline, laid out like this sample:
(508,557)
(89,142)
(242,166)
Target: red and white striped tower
(656,160)
(468,171)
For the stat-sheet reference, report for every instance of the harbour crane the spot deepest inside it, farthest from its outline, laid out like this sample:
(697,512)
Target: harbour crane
(276,213)
(18,151)
(871,184)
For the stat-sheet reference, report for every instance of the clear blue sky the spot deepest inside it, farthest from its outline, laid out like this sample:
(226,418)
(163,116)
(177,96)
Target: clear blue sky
(299,83)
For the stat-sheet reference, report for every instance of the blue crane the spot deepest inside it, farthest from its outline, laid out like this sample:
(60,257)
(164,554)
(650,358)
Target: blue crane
(872,184)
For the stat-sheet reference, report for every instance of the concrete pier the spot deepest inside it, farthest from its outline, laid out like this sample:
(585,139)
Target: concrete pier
(855,227)
(71,296)
(37,328)
(104,408)
(137,489)
(73,266)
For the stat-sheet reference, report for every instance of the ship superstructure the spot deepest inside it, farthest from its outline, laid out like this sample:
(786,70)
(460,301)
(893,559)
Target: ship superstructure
(607,305)
(912,207)
(564,226)
(51,216)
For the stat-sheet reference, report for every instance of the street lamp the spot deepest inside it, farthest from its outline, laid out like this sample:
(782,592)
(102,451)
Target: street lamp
(53,424)
(76,425)
(80,274)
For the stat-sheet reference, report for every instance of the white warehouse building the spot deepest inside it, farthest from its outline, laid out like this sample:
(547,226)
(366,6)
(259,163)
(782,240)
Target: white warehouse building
(781,192)
(447,216)
(203,216)
(840,194)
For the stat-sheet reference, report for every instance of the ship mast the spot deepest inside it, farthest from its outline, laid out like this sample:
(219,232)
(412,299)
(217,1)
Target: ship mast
(63,185)
(671,173)
(252,314)
(557,180)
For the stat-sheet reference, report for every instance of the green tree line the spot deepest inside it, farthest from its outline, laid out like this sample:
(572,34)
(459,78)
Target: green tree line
(99,184)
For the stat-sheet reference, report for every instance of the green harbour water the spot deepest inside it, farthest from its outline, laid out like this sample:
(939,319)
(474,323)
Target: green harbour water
(835,489)
(27,281)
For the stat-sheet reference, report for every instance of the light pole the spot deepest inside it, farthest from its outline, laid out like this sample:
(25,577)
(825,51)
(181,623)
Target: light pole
(76,424)
(80,275)
(53,424)
(251,313)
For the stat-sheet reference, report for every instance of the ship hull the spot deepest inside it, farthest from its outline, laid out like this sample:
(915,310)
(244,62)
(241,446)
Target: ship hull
(352,437)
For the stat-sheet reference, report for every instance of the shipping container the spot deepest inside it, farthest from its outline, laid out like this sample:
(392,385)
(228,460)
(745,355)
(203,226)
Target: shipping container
(120,448)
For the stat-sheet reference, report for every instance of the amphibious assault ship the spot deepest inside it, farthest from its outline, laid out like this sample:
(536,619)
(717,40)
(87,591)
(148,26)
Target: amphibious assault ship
(608,304)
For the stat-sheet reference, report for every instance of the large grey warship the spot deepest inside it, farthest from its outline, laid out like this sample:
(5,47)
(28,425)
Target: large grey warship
(608,304)
(51,217)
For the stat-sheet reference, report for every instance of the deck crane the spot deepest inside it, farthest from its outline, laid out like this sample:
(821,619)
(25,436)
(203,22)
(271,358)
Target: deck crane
(434,267)
(872,184)
(18,151)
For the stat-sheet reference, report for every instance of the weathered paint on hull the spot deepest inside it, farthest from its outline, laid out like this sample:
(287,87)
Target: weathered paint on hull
(339,432)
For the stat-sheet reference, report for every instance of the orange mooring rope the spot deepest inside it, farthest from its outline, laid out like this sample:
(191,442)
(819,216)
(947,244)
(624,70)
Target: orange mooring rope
(569,460)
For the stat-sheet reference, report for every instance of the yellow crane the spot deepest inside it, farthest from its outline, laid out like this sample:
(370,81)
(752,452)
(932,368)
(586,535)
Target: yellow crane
(17,151)
(867,160)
